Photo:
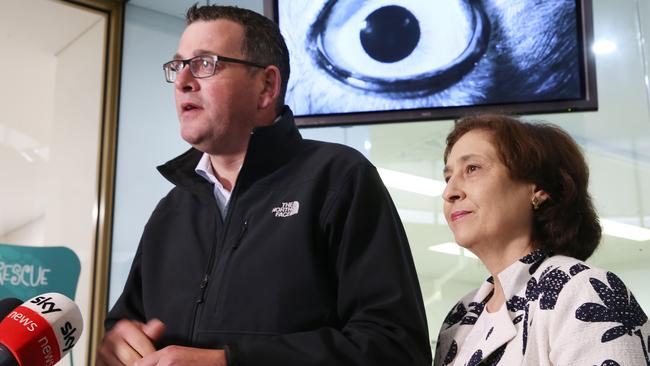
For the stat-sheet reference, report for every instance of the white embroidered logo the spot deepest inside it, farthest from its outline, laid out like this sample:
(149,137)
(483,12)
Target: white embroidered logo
(287,209)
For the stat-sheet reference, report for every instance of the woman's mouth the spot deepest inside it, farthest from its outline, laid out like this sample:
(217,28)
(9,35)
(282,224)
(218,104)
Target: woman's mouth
(457,215)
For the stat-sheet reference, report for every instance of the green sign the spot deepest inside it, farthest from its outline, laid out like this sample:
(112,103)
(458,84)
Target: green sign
(27,271)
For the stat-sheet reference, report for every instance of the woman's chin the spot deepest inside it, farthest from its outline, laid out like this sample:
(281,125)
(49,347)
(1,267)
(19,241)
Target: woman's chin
(464,243)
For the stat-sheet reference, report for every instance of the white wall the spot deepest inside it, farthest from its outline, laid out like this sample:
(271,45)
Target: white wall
(148,131)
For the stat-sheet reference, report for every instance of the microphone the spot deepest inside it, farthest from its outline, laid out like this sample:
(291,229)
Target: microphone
(40,331)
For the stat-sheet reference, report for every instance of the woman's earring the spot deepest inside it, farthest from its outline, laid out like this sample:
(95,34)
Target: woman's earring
(536,203)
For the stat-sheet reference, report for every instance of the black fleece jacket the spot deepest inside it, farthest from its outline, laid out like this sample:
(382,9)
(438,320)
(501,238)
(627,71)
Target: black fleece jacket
(310,266)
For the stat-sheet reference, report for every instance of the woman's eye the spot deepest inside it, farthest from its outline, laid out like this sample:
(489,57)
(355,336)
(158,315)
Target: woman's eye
(472,168)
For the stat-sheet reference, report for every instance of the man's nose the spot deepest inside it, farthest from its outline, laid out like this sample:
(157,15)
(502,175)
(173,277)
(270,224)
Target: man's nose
(185,81)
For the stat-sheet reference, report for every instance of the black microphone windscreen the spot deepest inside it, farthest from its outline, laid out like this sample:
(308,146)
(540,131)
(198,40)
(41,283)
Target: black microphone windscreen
(7,305)
(6,357)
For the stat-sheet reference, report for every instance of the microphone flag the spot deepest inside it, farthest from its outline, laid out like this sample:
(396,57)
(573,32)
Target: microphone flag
(42,330)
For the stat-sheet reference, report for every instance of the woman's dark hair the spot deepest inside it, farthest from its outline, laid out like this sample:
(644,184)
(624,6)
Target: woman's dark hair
(262,43)
(545,155)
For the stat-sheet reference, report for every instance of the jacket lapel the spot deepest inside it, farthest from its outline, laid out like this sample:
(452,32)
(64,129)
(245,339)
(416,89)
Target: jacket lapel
(514,280)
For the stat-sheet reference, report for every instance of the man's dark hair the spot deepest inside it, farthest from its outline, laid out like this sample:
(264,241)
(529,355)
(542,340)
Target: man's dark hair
(262,43)
(545,155)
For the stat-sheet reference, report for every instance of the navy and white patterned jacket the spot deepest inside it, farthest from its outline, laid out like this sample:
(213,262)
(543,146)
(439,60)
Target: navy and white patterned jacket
(562,312)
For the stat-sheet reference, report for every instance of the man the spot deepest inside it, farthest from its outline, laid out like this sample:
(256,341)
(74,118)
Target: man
(270,250)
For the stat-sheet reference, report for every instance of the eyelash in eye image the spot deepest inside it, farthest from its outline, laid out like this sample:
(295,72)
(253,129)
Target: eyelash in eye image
(352,56)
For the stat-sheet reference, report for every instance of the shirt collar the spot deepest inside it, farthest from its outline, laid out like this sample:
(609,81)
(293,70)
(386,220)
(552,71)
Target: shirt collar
(204,169)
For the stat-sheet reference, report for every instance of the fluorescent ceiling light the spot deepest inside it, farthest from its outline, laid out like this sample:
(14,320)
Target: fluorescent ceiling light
(452,248)
(411,183)
(603,47)
(625,231)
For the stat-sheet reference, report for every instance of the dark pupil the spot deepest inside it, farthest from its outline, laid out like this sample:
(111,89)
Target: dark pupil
(391,33)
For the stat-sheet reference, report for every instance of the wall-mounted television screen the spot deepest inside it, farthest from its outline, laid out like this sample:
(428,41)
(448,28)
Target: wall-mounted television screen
(368,61)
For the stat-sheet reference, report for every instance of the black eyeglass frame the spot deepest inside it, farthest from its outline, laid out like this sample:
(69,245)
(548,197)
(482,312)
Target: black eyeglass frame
(215,58)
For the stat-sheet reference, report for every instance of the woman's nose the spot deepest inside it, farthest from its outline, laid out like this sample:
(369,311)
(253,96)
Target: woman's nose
(453,191)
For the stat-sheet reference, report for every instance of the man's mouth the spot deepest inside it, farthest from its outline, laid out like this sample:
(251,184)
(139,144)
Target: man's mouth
(188,106)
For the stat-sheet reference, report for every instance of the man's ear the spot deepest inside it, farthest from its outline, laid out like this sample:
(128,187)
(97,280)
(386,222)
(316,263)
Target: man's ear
(270,90)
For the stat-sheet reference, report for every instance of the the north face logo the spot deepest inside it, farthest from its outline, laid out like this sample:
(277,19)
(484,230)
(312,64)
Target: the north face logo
(287,209)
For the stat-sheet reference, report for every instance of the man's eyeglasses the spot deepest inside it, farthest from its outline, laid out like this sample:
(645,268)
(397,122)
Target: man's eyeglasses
(201,66)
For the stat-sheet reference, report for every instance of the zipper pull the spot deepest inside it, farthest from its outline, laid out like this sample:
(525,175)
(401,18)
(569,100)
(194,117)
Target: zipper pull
(204,281)
(204,284)
(241,235)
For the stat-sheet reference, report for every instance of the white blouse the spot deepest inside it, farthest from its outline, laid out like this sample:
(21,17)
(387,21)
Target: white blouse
(480,333)
(558,311)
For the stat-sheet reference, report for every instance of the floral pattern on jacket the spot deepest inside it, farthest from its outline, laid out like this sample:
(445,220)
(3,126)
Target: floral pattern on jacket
(562,311)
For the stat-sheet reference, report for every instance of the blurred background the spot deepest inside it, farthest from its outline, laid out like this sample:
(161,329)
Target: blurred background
(52,145)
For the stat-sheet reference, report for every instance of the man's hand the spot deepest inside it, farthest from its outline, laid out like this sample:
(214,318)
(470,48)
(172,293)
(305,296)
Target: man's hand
(128,342)
(182,356)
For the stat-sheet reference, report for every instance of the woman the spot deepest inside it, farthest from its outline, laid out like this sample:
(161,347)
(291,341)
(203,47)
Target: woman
(517,197)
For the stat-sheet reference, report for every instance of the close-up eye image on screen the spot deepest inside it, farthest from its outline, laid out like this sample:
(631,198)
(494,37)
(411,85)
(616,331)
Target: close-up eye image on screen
(352,59)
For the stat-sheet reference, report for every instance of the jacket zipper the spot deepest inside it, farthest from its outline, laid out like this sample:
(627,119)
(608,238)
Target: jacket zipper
(211,261)
(226,223)
(206,276)
(241,235)
(204,284)
(224,278)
